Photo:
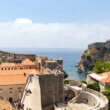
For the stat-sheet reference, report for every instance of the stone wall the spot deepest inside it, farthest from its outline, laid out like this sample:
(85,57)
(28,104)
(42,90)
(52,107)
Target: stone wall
(12,91)
(51,64)
(97,45)
(101,96)
(95,99)
(100,45)
(17,58)
(52,90)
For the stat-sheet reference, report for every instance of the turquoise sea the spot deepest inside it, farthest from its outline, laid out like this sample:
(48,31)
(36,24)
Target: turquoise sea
(70,59)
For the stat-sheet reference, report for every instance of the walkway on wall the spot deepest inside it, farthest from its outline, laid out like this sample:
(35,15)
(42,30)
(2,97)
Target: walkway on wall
(33,100)
(78,106)
(83,106)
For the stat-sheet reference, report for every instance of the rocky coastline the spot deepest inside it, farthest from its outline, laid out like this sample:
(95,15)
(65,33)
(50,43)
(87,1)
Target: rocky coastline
(99,51)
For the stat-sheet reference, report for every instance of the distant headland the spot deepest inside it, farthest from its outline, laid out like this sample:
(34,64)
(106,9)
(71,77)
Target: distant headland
(98,51)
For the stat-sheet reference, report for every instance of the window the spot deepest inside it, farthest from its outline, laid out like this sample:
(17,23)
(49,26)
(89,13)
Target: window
(1,89)
(10,88)
(19,87)
(19,90)
(10,92)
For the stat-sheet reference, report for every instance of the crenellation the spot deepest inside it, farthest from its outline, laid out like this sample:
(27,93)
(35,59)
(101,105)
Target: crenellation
(100,45)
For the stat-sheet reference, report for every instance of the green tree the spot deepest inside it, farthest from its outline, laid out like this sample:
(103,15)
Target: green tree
(82,81)
(94,86)
(98,67)
(107,86)
(107,93)
(106,66)
(66,82)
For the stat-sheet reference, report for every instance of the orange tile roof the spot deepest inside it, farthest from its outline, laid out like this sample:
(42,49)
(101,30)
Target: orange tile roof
(100,74)
(24,62)
(106,80)
(108,73)
(28,62)
(11,77)
(8,64)
(19,64)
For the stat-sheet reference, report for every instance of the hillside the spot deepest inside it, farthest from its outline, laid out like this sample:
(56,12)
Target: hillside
(94,53)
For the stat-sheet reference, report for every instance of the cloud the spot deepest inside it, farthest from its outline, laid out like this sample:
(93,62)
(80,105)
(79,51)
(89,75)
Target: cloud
(23,33)
(23,21)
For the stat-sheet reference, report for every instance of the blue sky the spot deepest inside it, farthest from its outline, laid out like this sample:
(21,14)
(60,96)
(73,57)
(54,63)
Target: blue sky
(45,11)
(53,23)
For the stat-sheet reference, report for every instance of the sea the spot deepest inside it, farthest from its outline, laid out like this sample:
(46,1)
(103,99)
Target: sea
(70,59)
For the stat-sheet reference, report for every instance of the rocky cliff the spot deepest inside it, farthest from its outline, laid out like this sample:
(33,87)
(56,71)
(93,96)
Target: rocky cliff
(91,56)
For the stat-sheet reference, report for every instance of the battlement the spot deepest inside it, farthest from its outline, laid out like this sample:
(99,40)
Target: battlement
(100,45)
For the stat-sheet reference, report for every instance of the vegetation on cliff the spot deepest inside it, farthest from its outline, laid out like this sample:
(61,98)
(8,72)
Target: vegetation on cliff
(93,55)
(101,67)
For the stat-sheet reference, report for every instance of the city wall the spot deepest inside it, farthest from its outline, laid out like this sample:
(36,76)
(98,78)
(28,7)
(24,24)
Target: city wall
(52,90)
(95,99)
(100,45)
(17,58)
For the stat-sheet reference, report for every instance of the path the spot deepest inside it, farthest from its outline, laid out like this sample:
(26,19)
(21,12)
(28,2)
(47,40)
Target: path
(33,100)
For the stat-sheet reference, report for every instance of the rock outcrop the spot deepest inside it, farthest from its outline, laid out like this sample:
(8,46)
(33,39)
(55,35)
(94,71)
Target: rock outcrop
(95,52)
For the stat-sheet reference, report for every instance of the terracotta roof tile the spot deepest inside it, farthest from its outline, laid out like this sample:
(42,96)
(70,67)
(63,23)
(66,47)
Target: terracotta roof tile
(11,77)
(27,62)
(106,80)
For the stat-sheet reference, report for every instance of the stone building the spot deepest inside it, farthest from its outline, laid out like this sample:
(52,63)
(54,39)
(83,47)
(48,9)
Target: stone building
(12,83)
(16,58)
(48,93)
(13,78)
(97,45)
(49,63)
(103,79)
(25,64)
(100,45)
(107,44)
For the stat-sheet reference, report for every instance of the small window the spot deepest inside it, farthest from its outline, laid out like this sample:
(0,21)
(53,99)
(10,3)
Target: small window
(10,88)
(19,87)
(1,89)
(19,91)
(10,92)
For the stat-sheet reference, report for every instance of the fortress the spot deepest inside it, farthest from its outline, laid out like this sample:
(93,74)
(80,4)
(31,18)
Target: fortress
(48,93)
(100,45)
(39,85)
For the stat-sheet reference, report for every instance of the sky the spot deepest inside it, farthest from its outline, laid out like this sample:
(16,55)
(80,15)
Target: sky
(53,23)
